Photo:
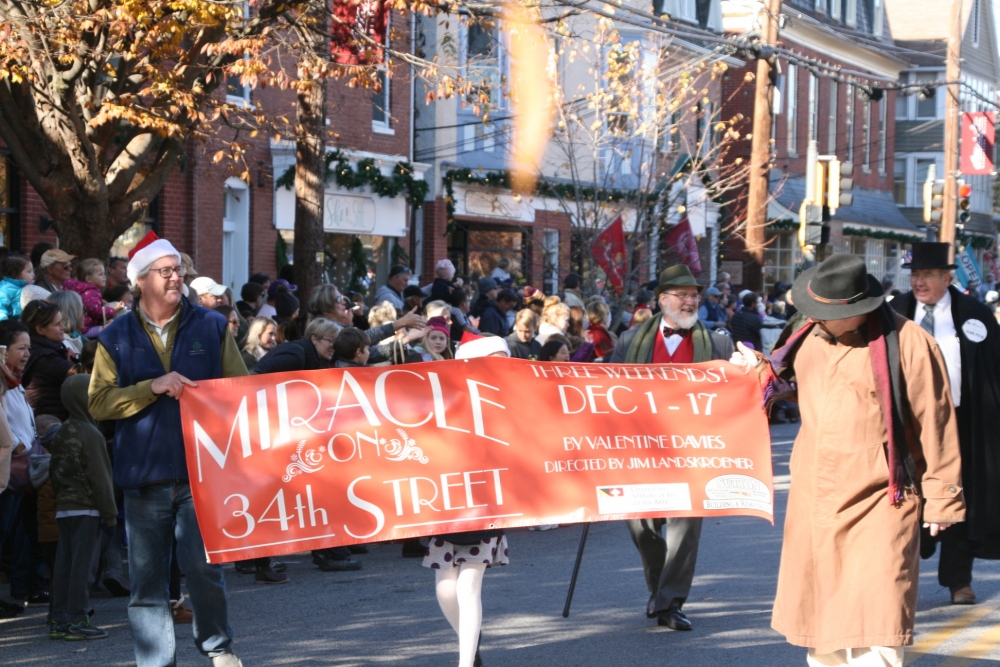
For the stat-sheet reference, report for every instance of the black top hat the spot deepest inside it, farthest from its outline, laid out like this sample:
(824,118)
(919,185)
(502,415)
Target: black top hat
(837,289)
(928,255)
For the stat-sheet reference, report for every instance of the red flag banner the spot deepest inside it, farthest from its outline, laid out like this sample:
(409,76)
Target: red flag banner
(681,240)
(609,251)
(978,135)
(307,460)
(353,22)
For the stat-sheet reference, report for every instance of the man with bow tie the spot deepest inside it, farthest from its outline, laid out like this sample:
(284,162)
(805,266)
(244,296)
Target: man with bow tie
(677,337)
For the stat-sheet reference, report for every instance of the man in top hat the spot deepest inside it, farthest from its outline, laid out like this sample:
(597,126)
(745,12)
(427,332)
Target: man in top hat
(878,439)
(677,337)
(969,338)
(143,363)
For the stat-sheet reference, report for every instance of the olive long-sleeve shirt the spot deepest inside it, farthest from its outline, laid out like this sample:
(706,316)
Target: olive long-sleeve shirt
(109,401)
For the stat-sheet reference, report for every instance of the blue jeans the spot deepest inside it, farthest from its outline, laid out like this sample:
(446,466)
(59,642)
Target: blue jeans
(153,516)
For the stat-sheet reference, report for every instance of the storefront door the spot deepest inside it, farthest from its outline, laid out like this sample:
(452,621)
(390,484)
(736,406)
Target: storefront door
(476,249)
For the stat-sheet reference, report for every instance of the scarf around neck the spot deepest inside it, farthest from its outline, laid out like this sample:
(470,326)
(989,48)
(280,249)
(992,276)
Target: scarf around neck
(641,349)
(883,346)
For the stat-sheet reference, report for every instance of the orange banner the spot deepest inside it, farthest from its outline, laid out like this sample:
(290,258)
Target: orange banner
(294,461)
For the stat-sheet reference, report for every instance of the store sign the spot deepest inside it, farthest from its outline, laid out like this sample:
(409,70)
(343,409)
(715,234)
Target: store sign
(348,215)
(489,205)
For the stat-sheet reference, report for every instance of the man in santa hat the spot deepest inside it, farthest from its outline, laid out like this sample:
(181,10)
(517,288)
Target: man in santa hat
(143,364)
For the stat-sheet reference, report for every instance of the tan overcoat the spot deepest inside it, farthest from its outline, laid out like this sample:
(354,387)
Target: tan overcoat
(850,560)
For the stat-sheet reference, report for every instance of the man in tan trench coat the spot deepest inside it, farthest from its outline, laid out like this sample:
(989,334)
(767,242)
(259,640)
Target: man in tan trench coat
(878,437)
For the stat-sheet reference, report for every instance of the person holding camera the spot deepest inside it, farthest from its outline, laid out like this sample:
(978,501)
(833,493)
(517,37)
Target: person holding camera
(50,361)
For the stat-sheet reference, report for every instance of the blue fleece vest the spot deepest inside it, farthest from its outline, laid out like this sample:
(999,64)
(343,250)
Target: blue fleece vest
(149,445)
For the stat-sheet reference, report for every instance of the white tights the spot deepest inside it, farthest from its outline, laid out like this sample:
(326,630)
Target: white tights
(459,592)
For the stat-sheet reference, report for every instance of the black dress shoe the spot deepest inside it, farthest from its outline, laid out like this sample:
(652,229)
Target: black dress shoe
(278,566)
(358,549)
(246,566)
(651,608)
(674,619)
(266,575)
(331,565)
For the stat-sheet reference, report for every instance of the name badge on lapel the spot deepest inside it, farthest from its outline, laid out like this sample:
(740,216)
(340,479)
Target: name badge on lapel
(974,330)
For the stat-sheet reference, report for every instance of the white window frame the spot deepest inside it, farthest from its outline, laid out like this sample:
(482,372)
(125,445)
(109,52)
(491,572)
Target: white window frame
(384,126)
(914,188)
(882,148)
(791,85)
(820,6)
(244,99)
(813,107)
(851,15)
(550,270)
(496,96)
(831,123)
(235,267)
(877,14)
(905,163)
(835,9)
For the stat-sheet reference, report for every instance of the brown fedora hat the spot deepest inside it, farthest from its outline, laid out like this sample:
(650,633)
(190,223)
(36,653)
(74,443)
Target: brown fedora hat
(837,289)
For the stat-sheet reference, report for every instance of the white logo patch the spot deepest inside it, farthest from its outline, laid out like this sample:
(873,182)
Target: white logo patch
(974,330)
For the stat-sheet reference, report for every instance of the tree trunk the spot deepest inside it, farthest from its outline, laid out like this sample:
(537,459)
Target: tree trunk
(339,248)
(310,182)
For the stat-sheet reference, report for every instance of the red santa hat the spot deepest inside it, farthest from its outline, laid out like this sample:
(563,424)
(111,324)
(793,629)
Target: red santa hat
(149,249)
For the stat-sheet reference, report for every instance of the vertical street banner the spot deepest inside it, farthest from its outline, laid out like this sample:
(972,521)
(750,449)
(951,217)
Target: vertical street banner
(978,136)
(288,462)
(968,272)
(609,250)
(680,239)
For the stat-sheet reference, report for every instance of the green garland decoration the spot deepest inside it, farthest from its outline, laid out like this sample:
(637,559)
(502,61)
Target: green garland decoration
(339,169)
(399,255)
(977,241)
(886,236)
(543,188)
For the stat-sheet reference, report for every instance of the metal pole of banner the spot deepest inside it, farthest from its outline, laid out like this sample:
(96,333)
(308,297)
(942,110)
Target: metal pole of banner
(576,570)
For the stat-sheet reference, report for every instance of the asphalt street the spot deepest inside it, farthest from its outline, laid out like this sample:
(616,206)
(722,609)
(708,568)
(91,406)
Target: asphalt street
(386,614)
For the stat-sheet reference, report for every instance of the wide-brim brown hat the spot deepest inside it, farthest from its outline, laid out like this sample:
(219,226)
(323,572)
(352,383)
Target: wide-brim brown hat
(839,288)
(678,275)
(928,255)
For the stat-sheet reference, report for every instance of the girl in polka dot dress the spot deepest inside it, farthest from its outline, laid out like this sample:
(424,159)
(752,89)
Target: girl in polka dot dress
(459,560)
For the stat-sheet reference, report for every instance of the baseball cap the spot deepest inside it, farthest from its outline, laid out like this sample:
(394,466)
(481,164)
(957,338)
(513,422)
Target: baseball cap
(206,285)
(53,256)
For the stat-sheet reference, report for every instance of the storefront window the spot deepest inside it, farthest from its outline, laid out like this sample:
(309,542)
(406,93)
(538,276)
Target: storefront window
(477,249)
(9,204)
(782,260)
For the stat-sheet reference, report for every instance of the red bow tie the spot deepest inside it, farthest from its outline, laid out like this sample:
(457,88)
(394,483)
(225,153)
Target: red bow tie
(668,332)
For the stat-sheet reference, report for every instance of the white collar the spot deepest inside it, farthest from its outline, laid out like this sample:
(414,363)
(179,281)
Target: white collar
(942,304)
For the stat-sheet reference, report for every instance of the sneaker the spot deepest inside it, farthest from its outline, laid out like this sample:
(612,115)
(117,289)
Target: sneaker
(331,565)
(85,630)
(58,630)
(226,660)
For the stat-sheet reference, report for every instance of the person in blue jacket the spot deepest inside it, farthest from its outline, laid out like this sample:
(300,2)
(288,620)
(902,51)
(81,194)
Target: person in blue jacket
(17,272)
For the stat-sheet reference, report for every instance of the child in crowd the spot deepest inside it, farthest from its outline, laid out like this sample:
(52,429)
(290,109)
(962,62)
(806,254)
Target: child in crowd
(436,345)
(118,293)
(90,280)
(599,317)
(17,272)
(85,505)
(522,342)
(351,348)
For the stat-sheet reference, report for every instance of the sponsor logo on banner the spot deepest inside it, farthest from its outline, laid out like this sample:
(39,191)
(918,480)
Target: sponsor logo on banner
(737,492)
(643,498)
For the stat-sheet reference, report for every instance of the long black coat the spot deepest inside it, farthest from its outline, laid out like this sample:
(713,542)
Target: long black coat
(978,420)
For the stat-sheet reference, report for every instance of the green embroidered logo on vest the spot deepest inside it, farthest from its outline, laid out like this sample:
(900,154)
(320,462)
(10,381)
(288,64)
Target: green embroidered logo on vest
(196,348)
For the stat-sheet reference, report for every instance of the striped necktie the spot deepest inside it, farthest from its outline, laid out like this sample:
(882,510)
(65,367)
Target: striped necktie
(928,322)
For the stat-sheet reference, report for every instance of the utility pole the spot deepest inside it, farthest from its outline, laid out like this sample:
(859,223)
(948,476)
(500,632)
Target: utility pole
(952,111)
(760,152)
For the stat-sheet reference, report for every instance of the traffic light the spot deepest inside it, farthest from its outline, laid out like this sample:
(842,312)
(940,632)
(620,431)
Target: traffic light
(933,201)
(840,185)
(819,181)
(964,193)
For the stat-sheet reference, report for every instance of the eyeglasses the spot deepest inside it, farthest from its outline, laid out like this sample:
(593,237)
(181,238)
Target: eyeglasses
(690,298)
(331,341)
(168,271)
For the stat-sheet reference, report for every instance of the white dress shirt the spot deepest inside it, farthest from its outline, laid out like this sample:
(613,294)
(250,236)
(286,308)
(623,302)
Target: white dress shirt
(947,339)
(673,341)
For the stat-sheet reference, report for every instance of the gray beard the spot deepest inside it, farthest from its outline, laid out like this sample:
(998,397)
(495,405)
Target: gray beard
(681,319)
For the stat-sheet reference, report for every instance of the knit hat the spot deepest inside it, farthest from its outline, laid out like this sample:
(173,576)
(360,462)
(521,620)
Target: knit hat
(285,304)
(440,324)
(445,268)
(412,290)
(486,284)
(280,285)
(145,252)
(532,294)
(482,346)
